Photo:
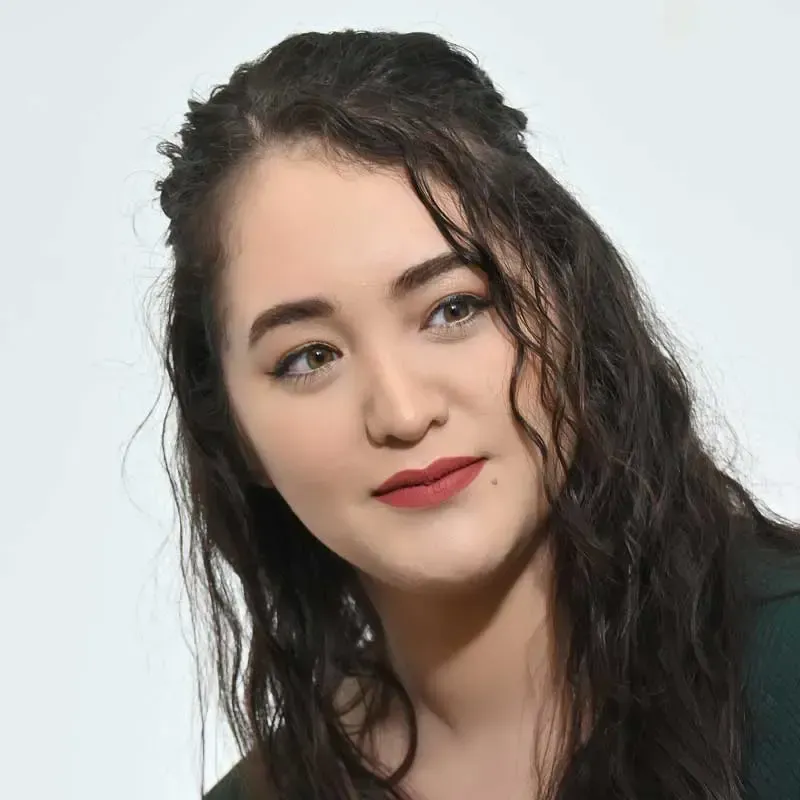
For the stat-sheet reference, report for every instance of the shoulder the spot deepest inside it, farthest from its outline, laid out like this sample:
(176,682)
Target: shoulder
(229,787)
(773,683)
(251,778)
(244,781)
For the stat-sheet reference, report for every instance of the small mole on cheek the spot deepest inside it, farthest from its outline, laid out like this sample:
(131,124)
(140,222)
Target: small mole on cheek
(494,481)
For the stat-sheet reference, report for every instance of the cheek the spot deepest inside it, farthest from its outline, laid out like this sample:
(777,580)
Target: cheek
(487,366)
(529,399)
(492,385)
(493,381)
(300,447)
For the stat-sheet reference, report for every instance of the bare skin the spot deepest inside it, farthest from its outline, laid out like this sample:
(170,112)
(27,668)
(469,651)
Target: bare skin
(483,692)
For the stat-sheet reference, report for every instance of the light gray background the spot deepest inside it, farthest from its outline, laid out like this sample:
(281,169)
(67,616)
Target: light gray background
(677,122)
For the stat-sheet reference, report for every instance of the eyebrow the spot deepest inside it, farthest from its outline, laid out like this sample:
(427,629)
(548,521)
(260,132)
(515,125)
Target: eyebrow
(410,280)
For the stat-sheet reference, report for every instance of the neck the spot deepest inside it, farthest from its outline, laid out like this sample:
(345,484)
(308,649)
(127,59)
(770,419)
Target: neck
(474,662)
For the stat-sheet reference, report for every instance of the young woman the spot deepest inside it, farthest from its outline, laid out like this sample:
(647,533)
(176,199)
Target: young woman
(442,479)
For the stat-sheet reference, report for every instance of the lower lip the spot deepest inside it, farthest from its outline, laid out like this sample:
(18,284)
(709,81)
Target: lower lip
(428,495)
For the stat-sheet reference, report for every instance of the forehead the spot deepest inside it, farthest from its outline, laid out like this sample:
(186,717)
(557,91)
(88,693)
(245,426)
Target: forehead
(302,224)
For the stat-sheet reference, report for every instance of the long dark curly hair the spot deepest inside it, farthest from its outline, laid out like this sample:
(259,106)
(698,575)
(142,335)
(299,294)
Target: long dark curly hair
(648,530)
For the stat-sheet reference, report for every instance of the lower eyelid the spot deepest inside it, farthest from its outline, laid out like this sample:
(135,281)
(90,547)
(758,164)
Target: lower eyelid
(315,374)
(457,330)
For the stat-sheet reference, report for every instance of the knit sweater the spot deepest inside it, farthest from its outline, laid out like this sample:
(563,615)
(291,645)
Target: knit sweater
(772,762)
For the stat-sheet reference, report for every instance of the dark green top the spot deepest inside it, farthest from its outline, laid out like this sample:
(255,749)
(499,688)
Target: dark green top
(772,770)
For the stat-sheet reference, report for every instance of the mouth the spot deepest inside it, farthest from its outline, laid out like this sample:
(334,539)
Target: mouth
(431,486)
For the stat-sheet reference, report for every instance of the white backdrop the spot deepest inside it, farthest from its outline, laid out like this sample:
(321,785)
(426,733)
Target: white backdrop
(677,122)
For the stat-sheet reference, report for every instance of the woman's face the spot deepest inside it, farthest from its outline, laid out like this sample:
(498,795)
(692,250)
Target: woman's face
(349,360)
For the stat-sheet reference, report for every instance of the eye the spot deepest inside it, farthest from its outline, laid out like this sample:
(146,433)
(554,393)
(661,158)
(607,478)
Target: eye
(456,310)
(302,363)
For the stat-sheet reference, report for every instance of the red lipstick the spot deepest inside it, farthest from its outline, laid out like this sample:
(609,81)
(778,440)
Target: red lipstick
(423,488)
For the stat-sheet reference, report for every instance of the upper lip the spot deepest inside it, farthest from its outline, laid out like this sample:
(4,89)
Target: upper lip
(433,472)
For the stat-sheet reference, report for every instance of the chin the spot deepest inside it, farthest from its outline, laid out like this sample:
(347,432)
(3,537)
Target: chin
(451,566)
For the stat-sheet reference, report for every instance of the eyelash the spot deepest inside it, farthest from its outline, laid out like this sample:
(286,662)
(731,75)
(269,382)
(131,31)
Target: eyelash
(281,369)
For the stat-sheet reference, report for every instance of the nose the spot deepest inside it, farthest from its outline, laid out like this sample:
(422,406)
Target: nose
(402,403)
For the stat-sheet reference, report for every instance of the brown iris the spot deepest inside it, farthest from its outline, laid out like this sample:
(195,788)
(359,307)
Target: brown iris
(454,306)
